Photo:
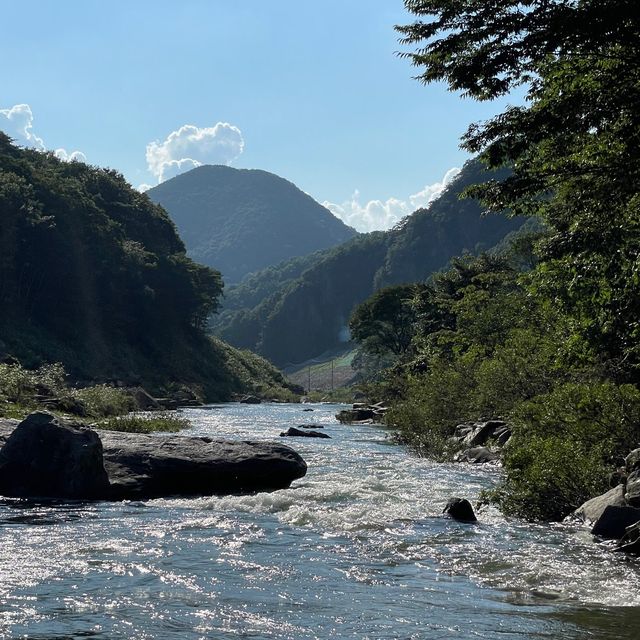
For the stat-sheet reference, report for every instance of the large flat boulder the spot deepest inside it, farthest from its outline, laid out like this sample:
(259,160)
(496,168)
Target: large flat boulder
(47,458)
(140,466)
(150,466)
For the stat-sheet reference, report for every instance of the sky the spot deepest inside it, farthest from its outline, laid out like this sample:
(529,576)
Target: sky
(312,91)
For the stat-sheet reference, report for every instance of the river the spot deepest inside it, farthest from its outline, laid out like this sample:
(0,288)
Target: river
(356,549)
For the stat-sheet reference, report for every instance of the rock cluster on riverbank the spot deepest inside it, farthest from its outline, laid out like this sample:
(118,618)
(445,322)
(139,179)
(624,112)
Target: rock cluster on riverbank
(45,457)
(615,515)
(363,413)
(480,442)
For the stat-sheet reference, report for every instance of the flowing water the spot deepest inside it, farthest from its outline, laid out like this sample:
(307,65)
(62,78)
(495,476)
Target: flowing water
(356,549)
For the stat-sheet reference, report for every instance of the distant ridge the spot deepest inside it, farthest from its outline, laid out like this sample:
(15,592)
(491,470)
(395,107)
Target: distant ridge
(299,309)
(243,220)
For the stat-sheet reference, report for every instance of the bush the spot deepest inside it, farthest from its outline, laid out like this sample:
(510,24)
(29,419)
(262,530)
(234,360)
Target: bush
(144,423)
(548,478)
(593,414)
(104,401)
(19,385)
(564,444)
(518,370)
(432,406)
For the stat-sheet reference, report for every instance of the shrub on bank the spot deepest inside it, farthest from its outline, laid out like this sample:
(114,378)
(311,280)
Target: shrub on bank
(564,445)
(145,423)
(20,386)
(432,406)
(105,401)
(23,390)
(549,477)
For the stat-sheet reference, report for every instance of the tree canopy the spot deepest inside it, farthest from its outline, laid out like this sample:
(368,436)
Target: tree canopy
(574,146)
(383,323)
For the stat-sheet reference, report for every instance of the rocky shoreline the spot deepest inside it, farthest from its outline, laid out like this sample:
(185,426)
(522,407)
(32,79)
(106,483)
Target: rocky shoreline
(614,515)
(475,442)
(46,457)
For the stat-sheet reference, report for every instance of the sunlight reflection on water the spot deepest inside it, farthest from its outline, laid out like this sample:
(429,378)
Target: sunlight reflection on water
(356,549)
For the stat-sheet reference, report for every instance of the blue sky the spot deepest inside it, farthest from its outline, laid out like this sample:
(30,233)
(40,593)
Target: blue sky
(311,91)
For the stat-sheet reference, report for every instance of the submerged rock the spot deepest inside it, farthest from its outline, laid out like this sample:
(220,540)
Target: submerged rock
(293,432)
(460,509)
(46,458)
(310,426)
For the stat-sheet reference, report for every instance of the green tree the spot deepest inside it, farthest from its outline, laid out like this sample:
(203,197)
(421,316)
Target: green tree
(574,146)
(384,322)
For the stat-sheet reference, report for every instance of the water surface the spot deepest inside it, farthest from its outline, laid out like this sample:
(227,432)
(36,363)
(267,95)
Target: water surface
(356,549)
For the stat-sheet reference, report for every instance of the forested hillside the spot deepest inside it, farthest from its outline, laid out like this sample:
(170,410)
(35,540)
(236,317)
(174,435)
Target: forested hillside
(94,275)
(301,308)
(243,220)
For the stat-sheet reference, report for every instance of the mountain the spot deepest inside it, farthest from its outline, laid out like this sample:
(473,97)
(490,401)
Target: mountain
(94,275)
(300,308)
(243,220)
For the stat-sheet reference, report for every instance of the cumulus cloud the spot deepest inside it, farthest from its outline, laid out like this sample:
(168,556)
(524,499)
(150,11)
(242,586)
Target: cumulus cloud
(17,122)
(383,214)
(69,157)
(191,146)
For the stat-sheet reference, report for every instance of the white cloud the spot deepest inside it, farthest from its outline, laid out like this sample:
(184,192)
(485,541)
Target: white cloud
(191,146)
(144,187)
(17,122)
(69,157)
(383,214)
(175,167)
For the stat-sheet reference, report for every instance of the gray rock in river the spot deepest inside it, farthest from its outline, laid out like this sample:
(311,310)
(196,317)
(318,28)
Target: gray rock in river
(592,509)
(46,458)
(140,466)
(460,509)
(148,466)
(614,520)
(476,455)
(293,432)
